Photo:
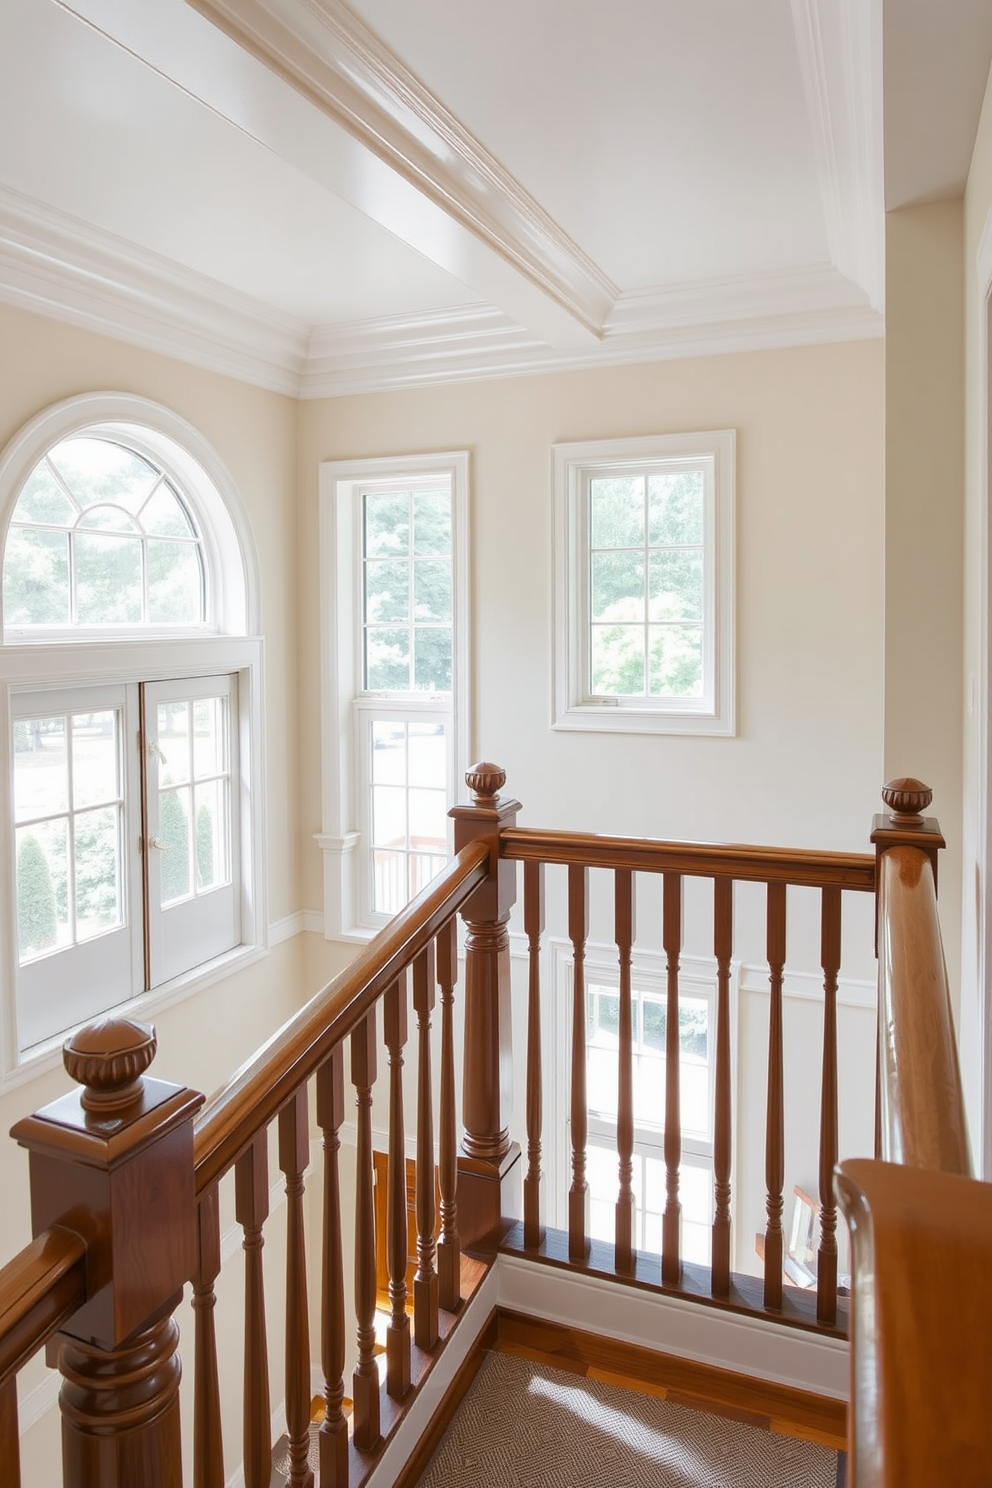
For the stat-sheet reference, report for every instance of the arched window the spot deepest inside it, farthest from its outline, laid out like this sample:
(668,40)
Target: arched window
(132,865)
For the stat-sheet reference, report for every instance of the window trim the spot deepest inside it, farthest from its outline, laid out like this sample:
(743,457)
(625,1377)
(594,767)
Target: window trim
(341,841)
(572,707)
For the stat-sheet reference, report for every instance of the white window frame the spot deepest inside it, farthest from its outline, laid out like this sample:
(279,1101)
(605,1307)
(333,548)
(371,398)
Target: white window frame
(574,707)
(228,643)
(345,708)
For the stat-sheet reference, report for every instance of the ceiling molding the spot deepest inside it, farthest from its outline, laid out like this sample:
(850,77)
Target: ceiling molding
(840,60)
(61,267)
(325,51)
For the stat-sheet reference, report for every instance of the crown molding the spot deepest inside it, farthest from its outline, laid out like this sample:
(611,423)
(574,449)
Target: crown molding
(840,60)
(325,51)
(59,266)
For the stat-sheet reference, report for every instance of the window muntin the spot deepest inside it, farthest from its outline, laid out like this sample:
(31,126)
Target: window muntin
(409,769)
(100,536)
(406,590)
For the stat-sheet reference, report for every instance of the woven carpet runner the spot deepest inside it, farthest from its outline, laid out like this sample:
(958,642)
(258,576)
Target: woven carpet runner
(522,1425)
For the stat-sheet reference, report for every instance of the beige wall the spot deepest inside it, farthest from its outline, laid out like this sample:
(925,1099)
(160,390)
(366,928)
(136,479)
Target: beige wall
(974,997)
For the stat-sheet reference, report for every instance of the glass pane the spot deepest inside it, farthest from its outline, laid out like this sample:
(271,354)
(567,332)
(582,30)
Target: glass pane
(676,661)
(422,868)
(42,499)
(41,775)
(97,470)
(387,592)
(211,846)
(387,524)
(387,659)
(209,736)
(108,519)
(389,753)
(616,511)
(175,583)
(431,522)
(649,1090)
(97,861)
(163,514)
(108,579)
(389,882)
(428,755)
(432,589)
(95,773)
(429,819)
(173,742)
(675,508)
(432,659)
(42,877)
(36,578)
(617,586)
(675,585)
(696,1193)
(173,835)
(618,660)
(389,816)
(655,1025)
(601,1173)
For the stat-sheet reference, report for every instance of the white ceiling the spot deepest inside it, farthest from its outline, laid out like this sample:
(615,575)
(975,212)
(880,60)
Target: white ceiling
(323,199)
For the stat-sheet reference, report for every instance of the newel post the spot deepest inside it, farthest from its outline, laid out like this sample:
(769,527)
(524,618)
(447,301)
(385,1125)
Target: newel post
(488,1171)
(904,824)
(114,1162)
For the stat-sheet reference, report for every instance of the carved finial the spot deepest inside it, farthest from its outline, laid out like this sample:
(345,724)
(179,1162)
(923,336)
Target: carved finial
(907,799)
(109,1058)
(485,781)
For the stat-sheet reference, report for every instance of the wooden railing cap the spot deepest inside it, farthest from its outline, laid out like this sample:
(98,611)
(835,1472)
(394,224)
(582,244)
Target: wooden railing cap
(907,799)
(108,1058)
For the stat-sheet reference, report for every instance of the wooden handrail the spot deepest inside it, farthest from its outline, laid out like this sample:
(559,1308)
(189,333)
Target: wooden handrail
(254,1096)
(695,859)
(922,1106)
(39,1289)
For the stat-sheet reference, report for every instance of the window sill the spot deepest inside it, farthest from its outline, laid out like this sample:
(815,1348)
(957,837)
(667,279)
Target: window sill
(606,718)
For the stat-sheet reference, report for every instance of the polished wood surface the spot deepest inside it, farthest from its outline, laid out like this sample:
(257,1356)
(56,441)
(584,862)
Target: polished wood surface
(208,1444)
(826,1264)
(578,1192)
(365,1380)
(534,929)
(921,1346)
(723,949)
(623,929)
(251,1207)
(448,1245)
(775,1106)
(425,1289)
(921,1102)
(39,1290)
(10,1445)
(398,1331)
(671,1224)
(333,1432)
(294,1157)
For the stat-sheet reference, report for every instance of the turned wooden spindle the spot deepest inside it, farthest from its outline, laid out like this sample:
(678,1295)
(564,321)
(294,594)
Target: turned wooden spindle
(578,1193)
(826,1265)
(332,1438)
(775,1113)
(294,1157)
(114,1163)
(10,1446)
(425,1291)
(488,1165)
(534,929)
(671,1227)
(626,1208)
(448,1246)
(251,1208)
(398,1331)
(208,1445)
(723,941)
(365,1380)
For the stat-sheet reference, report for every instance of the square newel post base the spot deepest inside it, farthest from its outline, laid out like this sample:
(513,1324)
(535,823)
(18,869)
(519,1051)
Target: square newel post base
(488,1200)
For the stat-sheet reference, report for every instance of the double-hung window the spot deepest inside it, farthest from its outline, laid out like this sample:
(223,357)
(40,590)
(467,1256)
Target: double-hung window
(395,655)
(644,584)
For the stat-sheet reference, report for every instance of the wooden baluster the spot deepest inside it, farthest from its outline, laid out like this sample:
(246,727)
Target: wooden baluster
(671,1229)
(826,1266)
(534,929)
(578,1194)
(294,1156)
(10,1447)
(398,1332)
(365,1380)
(626,1209)
(449,1264)
(775,1116)
(251,1207)
(723,943)
(333,1435)
(208,1447)
(425,1293)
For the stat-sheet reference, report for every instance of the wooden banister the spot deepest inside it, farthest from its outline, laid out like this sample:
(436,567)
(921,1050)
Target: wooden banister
(39,1289)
